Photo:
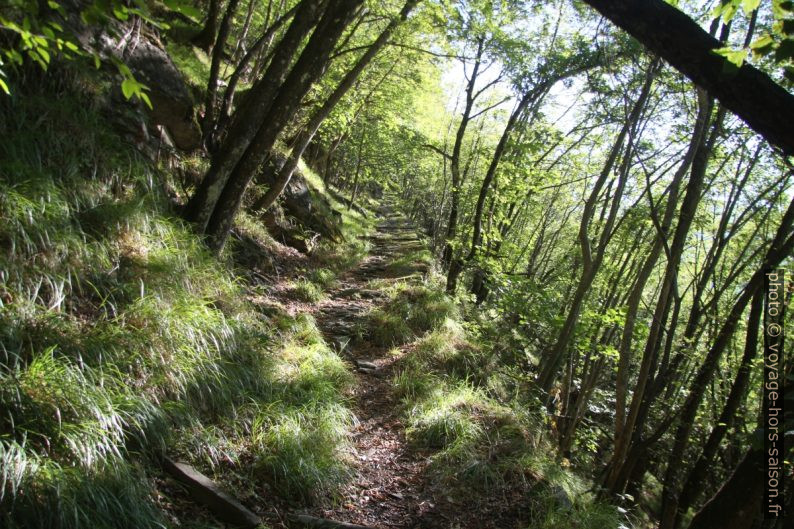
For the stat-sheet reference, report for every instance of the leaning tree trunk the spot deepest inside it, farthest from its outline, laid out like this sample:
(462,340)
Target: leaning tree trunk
(781,248)
(208,123)
(624,425)
(261,43)
(250,116)
(737,505)
(693,486)
(305,137)
(591,262)
(309,67)
(763,104)
(454,158)
(457,265)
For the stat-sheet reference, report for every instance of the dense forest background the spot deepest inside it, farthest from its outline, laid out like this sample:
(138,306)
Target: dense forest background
(518,247)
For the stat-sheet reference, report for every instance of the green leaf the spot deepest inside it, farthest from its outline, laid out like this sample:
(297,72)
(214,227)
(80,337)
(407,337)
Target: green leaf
(128,88)
(124,70)
(4,87)
(734,57)
(145,99)
(763,45)
(121,13)
(185,9)
(750,5)
(784,51)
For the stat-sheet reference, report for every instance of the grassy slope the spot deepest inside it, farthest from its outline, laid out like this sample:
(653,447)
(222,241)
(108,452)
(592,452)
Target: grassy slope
(122,338)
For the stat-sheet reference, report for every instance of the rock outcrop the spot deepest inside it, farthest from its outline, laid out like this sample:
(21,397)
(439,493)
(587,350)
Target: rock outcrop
(302,213)
(173,107)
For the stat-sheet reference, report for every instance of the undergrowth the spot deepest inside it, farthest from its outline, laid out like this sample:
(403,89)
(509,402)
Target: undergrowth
(469,406)
(412,310)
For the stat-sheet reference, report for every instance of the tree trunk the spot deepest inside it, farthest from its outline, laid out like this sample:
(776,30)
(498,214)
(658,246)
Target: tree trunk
(305,137)
(205,38)
(592,262)
(624,428)
(309,67)
(781,247)
(693,486)
(261,43)
(250,116)
(738,502)
(454,158)
(454,271)
(208,123)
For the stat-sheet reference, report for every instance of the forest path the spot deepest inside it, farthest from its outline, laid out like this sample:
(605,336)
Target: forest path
(392,485)
(388,488)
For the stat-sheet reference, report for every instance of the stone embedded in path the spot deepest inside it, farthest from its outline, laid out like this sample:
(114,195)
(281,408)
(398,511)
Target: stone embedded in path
(366,364)
(206,491)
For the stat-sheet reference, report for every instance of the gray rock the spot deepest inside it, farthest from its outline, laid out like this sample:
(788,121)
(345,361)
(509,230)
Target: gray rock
(172,105)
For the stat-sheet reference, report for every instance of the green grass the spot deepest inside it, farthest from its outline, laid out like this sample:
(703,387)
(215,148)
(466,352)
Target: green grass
(313,287)
(122,338)
(325,278)
(411,311)
(305,290)
(410,263)
(192,62)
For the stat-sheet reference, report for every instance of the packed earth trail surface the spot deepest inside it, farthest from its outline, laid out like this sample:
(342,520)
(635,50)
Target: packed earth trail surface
(391,485)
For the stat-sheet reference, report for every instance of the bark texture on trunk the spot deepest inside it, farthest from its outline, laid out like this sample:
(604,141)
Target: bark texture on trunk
(309,67)
(305,137)
(250,116)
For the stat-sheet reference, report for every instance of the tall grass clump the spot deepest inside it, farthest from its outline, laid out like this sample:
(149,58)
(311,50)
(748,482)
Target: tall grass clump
(465,402)
(411,311)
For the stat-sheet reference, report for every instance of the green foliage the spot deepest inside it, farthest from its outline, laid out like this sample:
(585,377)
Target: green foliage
(42,37)
(776,43)
(306,290)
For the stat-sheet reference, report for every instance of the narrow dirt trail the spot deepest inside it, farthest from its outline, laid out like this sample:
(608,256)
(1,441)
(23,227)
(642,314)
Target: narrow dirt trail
(388,489)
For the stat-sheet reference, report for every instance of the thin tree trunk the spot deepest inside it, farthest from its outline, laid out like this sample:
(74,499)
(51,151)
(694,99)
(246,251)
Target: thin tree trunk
(457,268)
(693,485)
(781,247)
(234,79)
(590,262)
(305,137)
(250,116)
(687,47)
(205,38)
(454,158)
(208,123)
(623,429)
